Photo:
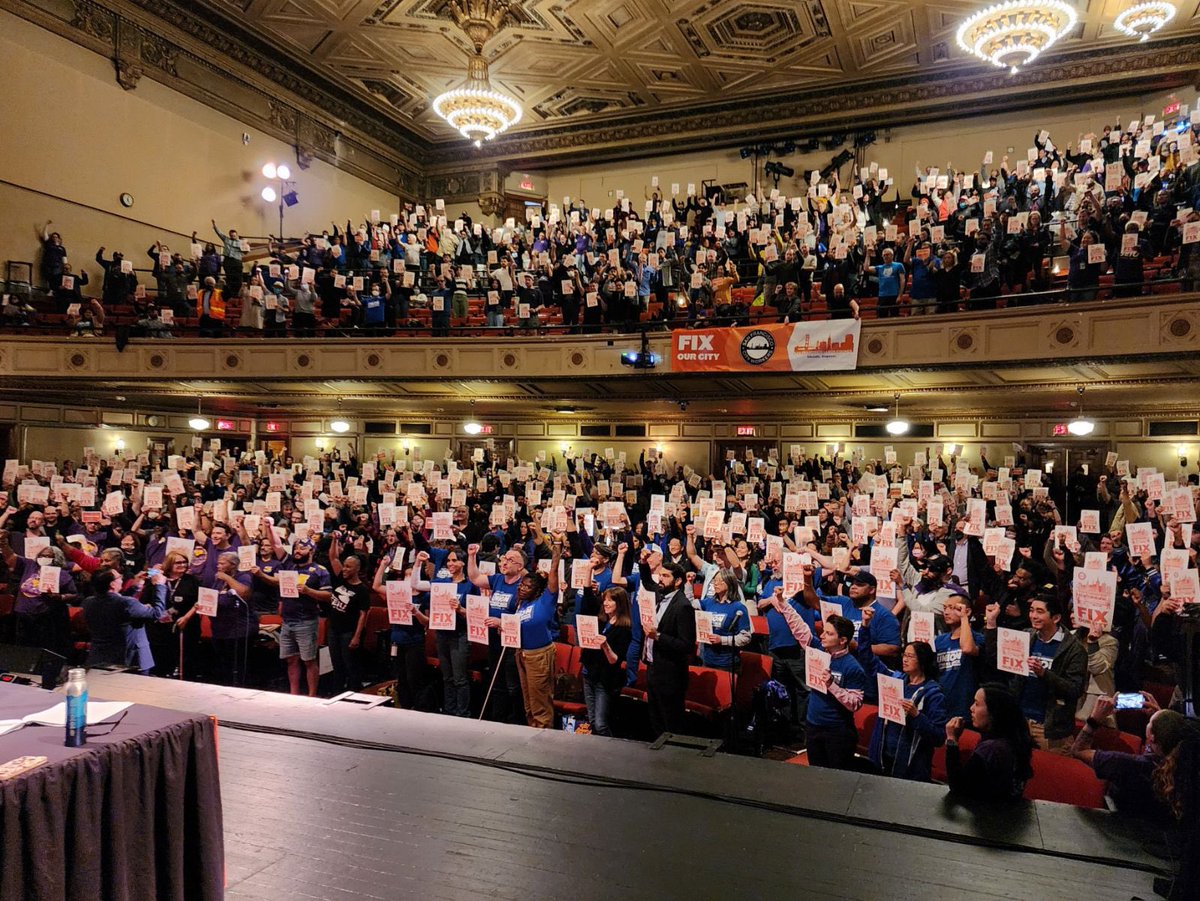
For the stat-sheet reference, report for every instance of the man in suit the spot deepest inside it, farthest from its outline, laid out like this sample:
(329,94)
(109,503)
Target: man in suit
(117,622)
(668,648)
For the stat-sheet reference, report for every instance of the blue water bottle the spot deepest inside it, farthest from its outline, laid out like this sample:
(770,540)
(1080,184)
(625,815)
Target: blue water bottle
(77,700)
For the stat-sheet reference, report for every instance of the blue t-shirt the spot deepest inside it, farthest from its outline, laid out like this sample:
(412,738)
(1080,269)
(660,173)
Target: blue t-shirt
(539,622)
(778,633)
(407,636)
(504,595)
(372,309)
(824,709)
(1033,691)
(891,279)
(956,673)
(727,619)
(885,628)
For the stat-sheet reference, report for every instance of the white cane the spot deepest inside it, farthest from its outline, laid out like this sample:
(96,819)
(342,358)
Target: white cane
(495,673)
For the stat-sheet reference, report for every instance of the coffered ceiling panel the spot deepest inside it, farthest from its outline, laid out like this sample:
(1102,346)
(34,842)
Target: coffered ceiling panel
(569,60)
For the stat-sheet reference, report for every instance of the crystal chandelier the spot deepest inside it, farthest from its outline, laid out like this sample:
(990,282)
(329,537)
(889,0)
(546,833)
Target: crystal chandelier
(1143,19)
(1017,31)
(477,110)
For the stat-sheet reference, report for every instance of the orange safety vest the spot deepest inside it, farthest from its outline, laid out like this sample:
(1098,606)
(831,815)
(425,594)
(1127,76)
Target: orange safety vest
(216,305)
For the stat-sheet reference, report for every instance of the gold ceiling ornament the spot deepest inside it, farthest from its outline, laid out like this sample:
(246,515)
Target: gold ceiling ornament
(477,110)
(1016,32)
(1143,19)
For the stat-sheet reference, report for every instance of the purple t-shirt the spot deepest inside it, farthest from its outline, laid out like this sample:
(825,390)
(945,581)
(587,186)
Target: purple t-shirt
(30,598)
(235,618)
(312,575)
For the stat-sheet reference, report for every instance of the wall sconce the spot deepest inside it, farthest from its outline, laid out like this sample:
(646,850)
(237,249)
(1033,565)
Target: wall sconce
(320,444)
(658,449)
(564,448)
(406,446)
(1183,455)
(119,445)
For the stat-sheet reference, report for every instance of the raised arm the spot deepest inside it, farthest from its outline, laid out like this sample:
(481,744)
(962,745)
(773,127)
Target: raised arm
(478,579)
(555,556)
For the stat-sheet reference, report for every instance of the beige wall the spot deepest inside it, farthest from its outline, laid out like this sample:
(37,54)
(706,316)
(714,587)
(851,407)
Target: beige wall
(67,443)
(963,143)
(71,132)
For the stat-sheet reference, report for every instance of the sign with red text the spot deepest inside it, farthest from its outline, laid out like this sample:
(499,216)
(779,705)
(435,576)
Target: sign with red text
(1095,595)
(399,603)
(816,669)
(820,346)
(443,602)
(1012,652)
(891,699)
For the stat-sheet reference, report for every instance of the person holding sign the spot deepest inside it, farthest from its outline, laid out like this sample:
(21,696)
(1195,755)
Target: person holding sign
(235,622)
(1057,666)
(346,617)
(883,636)
(116,622)
(454,651)
(1000,765)
(829,729)
(730,622)
(42,610)
(604,667)
(298,634)
(958,656)
(502,586)
(407,639)
(905,749)
(537,609)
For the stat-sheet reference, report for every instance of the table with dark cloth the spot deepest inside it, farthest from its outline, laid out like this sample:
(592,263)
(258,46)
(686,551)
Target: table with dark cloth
(134,814)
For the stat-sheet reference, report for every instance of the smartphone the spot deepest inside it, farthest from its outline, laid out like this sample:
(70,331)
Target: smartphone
(1130,700)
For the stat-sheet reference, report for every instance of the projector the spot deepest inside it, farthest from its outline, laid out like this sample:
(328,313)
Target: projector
(639,359)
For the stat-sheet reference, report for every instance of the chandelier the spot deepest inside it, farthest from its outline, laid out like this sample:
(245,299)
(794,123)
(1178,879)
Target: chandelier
(1017,31)
(477,110)
(1143,19)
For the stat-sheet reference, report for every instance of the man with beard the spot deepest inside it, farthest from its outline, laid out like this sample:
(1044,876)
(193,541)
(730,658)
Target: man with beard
(668,648)
(298,634)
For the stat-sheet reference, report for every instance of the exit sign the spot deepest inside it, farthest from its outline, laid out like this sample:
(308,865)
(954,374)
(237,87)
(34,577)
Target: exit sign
(272,427)
(745,431)
(224,425)
(1060,428)
(486,429)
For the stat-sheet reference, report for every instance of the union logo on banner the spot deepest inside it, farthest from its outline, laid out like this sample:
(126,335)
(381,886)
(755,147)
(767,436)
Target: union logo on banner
(800,347)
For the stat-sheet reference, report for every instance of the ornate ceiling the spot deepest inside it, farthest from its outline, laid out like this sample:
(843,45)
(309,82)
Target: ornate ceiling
(350,80)
(573,59)
(576,61)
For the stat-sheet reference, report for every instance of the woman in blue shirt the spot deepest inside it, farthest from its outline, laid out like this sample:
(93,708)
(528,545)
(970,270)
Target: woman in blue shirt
(408,642)
(537,607)
(907,751)
(730,621)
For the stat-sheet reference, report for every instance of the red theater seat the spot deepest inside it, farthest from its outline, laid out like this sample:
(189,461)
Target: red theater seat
(710,691)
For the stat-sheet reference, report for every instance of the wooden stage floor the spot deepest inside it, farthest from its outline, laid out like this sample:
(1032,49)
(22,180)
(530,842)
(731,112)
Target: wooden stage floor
(323,802)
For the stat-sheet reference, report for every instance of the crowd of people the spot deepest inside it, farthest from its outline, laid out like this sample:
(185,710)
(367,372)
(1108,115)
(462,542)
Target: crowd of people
(1046,227)
(867,573)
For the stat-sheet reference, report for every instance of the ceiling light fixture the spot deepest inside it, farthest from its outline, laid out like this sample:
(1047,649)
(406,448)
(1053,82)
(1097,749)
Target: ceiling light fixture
(339,425)
(472,428)
(477,110)
(1016,32)
(1143,19)
(1081,426)
(198,422)
(897,426)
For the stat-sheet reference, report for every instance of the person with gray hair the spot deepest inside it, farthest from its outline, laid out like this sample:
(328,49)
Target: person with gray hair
(236,623)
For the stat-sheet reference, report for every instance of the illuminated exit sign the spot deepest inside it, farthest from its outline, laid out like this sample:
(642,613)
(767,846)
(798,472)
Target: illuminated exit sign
(745,431)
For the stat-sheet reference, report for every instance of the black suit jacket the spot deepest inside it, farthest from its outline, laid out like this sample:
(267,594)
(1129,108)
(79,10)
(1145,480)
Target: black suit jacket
(676,640)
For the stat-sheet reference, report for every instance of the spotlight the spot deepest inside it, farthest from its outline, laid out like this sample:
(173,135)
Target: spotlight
(779,170)
(283,172)
(865,139)
(639,359)
(268,194)
(269,170)
(745,152)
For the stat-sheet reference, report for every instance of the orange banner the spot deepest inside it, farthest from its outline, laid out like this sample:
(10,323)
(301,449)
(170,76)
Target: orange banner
(801,347)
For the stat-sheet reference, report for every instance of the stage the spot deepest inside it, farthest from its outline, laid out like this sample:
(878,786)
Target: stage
(333,802)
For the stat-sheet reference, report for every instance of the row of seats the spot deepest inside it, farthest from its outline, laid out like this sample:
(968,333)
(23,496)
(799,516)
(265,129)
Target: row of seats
(1064,780)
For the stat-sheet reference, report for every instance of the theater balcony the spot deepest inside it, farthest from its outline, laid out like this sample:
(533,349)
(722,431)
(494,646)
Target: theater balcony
(1155,333)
